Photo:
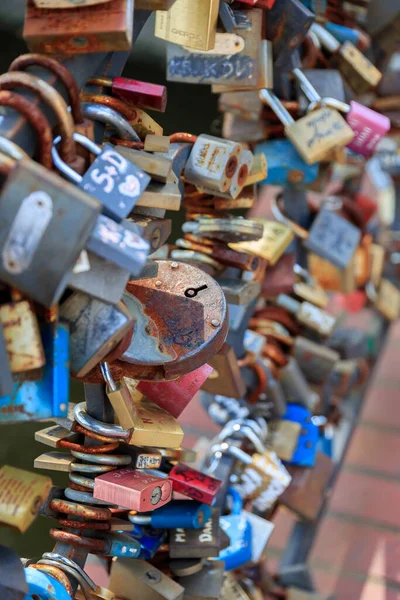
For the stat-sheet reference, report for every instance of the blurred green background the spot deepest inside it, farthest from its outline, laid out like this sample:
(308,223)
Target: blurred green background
(190,108)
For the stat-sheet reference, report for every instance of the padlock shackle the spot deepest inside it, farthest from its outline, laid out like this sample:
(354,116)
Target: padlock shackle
(60,71)
(328,41)
(68,561)
(109,116)
(235,451)
(49,95)
(114,431)
(108,378)
(6,164)
(306,85)
(62,166)
(269,98)
(68,570)
(237,505)
(12,149)
(330,103)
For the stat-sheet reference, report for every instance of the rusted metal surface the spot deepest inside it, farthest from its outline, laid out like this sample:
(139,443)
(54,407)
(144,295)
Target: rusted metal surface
(90,544)
(223,254)
(79,30)
(114,103)
(58,574)
(62,73)
(81,510)
(70,524)
(91,434)
(10,81)
(181,315)
(36,119)
(183,137)
(82,448)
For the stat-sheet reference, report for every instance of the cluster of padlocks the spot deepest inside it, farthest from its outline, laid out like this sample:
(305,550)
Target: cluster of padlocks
(235,310)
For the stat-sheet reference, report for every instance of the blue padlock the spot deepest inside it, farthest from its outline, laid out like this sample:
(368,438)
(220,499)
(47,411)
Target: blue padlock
(344,34)
(238,529)
(306,450)
(187,514)
(150,540)
(43,586)
(121,545)
(285,165)
(48,397)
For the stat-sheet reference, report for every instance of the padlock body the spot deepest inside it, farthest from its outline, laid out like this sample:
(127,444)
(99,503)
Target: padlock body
(42,216)
(369,128)
(132,489)
(80,30)
(49,396)
(22,336)
(194,484)
(285,164)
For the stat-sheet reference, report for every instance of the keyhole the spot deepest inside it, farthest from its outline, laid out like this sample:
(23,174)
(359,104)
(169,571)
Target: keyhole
(192,292)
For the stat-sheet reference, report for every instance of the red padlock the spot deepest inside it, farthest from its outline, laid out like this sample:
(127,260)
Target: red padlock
(174,396)
(194,484)
(135,93)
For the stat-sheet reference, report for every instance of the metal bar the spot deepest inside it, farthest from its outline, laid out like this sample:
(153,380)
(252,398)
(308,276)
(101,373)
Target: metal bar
(82,67)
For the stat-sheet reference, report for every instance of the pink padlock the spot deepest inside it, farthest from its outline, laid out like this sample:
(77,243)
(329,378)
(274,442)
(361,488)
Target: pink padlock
(132,489)
(369,127)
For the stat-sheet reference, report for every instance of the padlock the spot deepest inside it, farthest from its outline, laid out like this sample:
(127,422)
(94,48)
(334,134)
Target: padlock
(314,135)
(226,377)
(150,540)
(176,514)
(189,24)
(130,578)
(287,25)
(308,315)
(95,329)
(239,530)
(218,251)
(305,453)
(204,542)
(273,243)
(47,396)
(234,229)
(308,488)
(174,396)
(213,163)
(21,335)
(369,126)
(284,438)
(231,68)
(146,421)
(238,180)
(77,30)
(132,489)
(158,167)
(331,236)
(193,483)
(306,288)
(165,298)
(285,165)
(264,477)
(296,387)
(205,584)
(315,361)
(115,181)
(360,73)
(154,230)
(137,93)
(222,409)
(118,244)
(30,231)
(21,495)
